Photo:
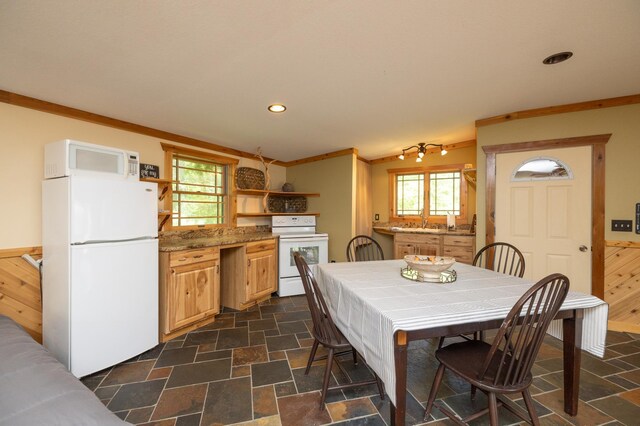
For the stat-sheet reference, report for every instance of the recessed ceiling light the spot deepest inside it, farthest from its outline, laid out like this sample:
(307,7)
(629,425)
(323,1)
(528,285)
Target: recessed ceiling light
(277,108)
(556,58)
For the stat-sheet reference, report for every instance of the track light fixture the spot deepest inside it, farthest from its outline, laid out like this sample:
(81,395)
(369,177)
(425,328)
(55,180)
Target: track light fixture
(422,150)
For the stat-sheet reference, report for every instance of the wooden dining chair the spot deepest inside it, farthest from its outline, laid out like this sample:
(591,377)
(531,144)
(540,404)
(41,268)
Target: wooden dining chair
(504,367)
(364,248)
(501,257)
(326,333)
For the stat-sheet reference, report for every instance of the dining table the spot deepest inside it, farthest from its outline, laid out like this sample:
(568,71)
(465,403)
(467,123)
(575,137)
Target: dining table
(380,311)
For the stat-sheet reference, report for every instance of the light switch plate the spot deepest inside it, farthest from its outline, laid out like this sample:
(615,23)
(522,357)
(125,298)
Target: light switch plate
(621,225)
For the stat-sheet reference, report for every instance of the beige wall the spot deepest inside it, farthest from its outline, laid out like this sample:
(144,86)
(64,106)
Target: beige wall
(622,156)
(335,180)
(23,134)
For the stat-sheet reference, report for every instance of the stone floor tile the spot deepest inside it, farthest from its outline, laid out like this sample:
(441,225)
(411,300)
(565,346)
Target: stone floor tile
(140,415)
(292,316)
(629,348)
(270,309)
(180,401)
(220,322)
(349,409)
(228,401)
(159,373)
(305,343)
(292,327)
(106,393)
(262,324)
(241,371)
(272,332)
(190,420)
(632,396)
(619,408)
(153,353)
(285,389)
(128,373)
(264,402)
(200,372)
(173,344)
(633,376)
(597,366)
(166,422)
(591,386)
(631,359)
(136,395)
(197,337)
(415,411)
(209,356)
(270,372)
(170,357)
(623,383)
(250,355)
(257,338)
(302,410)
(248,316)
(230,338)
(587,415)
(280,343)
(311,381)
(277,355)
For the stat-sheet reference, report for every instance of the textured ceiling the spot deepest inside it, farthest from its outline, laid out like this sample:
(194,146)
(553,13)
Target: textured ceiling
(375,75)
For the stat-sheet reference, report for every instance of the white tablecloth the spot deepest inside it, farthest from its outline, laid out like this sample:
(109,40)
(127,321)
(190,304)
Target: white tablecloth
(370,301)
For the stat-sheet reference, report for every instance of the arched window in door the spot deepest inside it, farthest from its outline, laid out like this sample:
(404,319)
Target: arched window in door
(541,168)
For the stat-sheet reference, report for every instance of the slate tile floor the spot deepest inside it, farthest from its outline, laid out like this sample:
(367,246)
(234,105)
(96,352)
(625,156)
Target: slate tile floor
(248,368)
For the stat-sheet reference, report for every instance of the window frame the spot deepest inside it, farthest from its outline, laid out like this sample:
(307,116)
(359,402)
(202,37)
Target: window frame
(393,173)
(230,203)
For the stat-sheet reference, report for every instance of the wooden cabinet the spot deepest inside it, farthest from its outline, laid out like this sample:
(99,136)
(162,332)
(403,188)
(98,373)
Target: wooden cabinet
(163,188)
(255,264)
(462,247)
(189,290)
(261,270)
(428,245)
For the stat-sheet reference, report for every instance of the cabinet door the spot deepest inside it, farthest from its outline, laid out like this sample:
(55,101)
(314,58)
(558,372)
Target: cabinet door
(401,250)
(193,294)
(428,249)
(261,274)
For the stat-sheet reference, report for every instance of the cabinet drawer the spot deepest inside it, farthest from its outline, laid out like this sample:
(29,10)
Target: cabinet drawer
(466,252)
(419,239)
(456,240)
(187,257)
(258,246)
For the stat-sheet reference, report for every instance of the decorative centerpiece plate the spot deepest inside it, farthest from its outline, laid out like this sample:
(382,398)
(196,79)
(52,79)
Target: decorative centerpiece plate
(447,276)
(430,268)
(249,178)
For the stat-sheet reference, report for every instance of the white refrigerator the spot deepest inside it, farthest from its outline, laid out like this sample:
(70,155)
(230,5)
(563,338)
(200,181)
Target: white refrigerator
(100,270)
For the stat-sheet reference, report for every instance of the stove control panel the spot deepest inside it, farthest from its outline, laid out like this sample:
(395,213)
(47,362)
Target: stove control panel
(280,221)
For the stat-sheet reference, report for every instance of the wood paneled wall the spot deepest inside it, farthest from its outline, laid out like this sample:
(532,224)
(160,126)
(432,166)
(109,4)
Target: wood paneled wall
(20,290)
(622,285)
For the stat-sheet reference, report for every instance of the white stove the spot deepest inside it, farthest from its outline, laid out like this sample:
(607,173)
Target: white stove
(297,234)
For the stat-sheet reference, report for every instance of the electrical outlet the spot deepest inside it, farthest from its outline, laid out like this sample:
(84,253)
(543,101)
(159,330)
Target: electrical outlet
(621,225)
(377,216)
(637,218)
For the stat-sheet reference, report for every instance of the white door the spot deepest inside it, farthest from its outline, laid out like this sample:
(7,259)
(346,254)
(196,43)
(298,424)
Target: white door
(548,219)
(114,303)
(112,210)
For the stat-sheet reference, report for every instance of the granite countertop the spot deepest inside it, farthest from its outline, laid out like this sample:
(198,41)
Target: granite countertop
(391,230)
(199,239)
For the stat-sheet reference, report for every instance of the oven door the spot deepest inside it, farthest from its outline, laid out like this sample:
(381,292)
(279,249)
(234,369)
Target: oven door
(313,249)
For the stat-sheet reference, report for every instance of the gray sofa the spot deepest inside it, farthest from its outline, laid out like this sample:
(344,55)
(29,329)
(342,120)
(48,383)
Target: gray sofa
(35,389)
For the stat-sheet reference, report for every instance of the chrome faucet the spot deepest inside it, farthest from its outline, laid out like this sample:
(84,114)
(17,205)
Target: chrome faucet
(424,219)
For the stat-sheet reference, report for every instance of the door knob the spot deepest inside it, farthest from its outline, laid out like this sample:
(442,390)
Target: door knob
(583,248)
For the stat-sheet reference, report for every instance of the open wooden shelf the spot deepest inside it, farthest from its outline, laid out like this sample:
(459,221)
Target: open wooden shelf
(276,193)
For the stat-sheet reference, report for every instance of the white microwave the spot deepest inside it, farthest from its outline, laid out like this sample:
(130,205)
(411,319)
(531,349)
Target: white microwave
(68,157)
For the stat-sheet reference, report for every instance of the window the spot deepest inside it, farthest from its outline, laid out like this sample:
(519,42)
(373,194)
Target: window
(437,190)
(200,195)
(541,168)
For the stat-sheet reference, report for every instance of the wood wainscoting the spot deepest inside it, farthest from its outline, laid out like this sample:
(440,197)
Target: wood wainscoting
(20,289)
(622,285)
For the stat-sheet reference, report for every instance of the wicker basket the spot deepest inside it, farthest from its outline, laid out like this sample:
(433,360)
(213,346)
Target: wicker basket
(249,178)
(297,204)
